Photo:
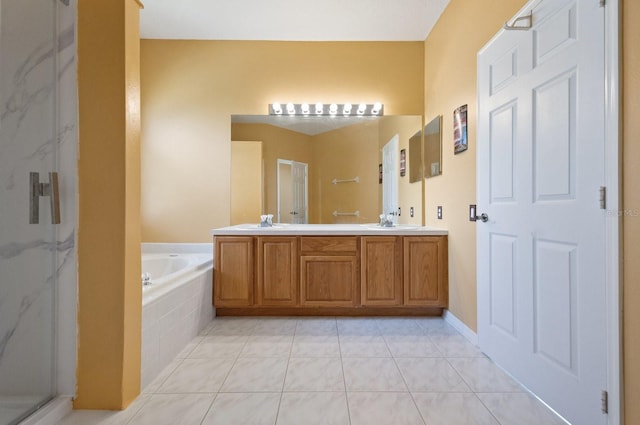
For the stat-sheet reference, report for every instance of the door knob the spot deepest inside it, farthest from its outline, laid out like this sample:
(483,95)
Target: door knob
(482,217)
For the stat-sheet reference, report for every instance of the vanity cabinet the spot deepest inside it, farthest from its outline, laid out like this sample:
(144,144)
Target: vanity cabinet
(335,275)
(277,277)
(426,271)
(233,274)
(381,260)
(329,271)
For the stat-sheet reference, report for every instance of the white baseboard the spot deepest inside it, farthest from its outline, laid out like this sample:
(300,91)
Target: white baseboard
(51,413)
(460,327)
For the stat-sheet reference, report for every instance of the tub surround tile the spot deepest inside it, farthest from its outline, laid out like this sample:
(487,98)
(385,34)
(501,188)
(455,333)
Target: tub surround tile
(315,346)
(453,409)
(411,346)
(389,408)
(363,346)
(256,375)
(314,374)
(431,375)
(243,409)
(173,409)
(372,374)
(197,376)
(519,409)
(482,375)
(313,408)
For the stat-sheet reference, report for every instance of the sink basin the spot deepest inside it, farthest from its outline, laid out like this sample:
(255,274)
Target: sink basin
(254,226)
(375,226)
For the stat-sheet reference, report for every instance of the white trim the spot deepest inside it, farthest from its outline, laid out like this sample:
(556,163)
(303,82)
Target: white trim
(613,221)
(51,413)
(466,332)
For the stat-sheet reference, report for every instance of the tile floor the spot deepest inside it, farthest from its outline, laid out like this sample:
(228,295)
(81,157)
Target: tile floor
(333,371)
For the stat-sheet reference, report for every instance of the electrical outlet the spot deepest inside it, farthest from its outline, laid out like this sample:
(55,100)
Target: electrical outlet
(439,212)
(411,212)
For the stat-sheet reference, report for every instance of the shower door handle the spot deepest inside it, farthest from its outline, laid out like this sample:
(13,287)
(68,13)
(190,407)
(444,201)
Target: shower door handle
(36,190)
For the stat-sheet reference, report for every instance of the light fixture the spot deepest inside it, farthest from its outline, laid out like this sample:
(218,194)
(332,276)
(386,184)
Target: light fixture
(325,109)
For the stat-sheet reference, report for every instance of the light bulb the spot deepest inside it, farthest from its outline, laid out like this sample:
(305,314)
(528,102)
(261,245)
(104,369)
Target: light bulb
(376,108)
(361,109)
(319,108)
(333,109)
(346,109)
(291,109)
(277,108)
(305,108)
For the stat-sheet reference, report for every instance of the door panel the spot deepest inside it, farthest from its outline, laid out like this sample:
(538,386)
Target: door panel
(541,292)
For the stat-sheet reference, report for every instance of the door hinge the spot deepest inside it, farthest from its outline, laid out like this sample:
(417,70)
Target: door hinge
(603,197)
(604,398)
(603,3)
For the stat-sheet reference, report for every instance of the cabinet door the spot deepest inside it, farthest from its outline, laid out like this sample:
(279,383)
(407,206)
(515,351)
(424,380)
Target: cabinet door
(233,282)
(328,280)
(425,271)
(277,271)
(381,262)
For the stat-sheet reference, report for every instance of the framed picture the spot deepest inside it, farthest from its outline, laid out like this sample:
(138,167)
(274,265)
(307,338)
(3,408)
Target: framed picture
(460,138)
(379,173)
(403,162)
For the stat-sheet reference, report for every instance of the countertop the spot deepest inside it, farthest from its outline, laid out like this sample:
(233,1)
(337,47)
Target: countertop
(370,229)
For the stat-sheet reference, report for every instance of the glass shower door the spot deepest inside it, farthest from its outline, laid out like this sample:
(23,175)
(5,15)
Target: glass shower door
(28,154)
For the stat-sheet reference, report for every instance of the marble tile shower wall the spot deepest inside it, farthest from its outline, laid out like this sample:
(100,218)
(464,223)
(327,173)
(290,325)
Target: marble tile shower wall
(31,63)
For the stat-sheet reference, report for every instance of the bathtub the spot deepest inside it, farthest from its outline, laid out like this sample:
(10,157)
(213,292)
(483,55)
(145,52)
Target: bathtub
(176,305)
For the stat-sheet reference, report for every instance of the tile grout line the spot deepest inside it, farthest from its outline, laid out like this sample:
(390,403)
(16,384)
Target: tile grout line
(344,377)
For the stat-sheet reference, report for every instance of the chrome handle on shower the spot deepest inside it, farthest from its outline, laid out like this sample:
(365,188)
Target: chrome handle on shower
(36,190)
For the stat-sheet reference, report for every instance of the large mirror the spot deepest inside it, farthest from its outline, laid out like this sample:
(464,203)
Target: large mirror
(433,147)
(322,169)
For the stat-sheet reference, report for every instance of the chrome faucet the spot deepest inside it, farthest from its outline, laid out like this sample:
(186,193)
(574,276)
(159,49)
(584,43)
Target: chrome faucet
(146,279)
(386,220)
(266,220)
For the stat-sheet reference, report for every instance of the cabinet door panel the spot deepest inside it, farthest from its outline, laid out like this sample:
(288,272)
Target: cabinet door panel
(381,259)
(233,283)
(277,271)
(328,280)
(425,271)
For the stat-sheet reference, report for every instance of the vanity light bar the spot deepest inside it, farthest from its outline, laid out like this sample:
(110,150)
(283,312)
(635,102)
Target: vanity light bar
(326,110)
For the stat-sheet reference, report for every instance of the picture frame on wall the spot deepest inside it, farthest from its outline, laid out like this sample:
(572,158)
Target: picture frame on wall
(460,135)
(403,162)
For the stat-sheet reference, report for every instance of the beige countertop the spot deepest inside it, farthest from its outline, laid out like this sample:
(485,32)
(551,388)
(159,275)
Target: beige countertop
(369,229)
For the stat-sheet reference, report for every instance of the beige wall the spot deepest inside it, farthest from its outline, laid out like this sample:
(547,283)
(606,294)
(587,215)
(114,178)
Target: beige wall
(631,207)
(190,89)
(450,81)
(277,143)
(109,292)
(344,154)
(409,194)
(246,182)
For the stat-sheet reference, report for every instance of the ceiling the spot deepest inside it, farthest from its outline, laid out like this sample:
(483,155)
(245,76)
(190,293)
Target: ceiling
(290,20)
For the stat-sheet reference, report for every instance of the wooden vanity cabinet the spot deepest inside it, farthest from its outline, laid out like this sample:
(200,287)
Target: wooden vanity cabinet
(425,271)
(234,269)
(329,271)
(277,277)
(381,281)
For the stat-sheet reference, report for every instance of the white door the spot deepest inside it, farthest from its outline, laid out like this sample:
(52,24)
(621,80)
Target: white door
(541,259)
(299,192)
(293,199)
(390,178)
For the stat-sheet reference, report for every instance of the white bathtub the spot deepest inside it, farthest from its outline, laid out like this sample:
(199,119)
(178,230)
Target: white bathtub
(177,304)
